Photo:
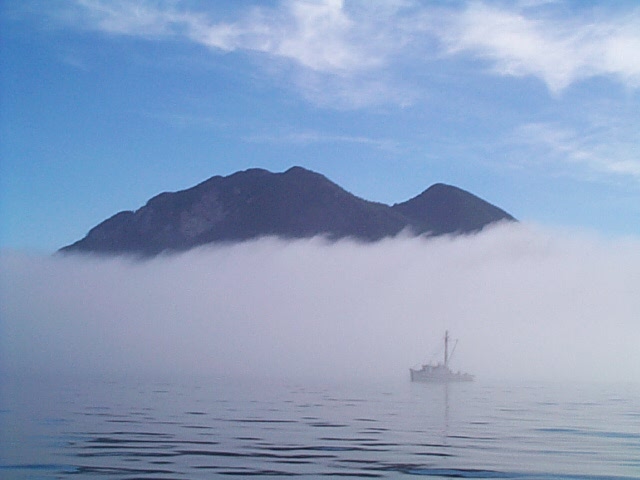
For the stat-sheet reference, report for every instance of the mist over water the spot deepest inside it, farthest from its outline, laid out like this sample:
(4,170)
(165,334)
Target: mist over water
(526,303)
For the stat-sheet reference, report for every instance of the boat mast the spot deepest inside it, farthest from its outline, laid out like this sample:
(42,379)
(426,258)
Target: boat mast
(446,348)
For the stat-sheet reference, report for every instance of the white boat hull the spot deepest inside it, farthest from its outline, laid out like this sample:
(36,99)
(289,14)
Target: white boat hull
(428,375)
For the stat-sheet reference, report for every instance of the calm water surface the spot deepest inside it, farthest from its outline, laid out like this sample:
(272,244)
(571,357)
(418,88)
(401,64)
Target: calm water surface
(191,429)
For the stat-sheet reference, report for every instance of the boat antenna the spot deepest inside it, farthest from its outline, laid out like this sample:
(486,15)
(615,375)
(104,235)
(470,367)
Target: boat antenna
(446,348)
(453,350)
(448,356)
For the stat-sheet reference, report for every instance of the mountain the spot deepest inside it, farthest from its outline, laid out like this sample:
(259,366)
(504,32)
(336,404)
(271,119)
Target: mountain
(295,204)
(443,209)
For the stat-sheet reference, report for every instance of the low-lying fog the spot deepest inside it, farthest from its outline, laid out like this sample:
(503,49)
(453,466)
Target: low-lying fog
(525,303)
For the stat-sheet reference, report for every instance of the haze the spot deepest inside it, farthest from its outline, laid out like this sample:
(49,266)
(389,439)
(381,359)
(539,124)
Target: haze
(526,303)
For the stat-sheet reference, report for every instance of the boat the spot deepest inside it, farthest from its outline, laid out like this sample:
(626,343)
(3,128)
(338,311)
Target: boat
(440,372)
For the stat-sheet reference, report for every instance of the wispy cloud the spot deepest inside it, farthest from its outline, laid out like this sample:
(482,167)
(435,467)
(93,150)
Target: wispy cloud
(598,151)
(332,49)
(317,35)
(313,137)
(119,17)
(356,43)
(560,50)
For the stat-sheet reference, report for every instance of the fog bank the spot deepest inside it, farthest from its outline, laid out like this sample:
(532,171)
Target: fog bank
(525,303)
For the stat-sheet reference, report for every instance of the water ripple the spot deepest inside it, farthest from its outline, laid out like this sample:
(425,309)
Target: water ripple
(191,432)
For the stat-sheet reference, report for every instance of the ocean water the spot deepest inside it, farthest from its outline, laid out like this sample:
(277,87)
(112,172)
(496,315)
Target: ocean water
(215,428)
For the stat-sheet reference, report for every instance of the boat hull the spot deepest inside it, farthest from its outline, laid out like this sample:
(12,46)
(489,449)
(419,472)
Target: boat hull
(431,376)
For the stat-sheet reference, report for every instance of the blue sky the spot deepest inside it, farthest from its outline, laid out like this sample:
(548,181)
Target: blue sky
(532,105)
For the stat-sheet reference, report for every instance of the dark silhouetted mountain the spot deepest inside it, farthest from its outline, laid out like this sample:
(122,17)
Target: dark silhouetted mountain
(295,204)
(443,209)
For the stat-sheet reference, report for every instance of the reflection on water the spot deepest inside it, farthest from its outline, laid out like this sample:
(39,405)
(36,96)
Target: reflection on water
(215,427)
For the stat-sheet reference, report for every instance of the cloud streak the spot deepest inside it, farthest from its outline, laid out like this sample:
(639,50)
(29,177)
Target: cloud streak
(559,50)
(527,304)
(354,42)
(318,35)
(317,137)
(605,151)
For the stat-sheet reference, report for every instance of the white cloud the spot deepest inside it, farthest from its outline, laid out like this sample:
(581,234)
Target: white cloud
(318,38)
(559,50)
(316,34)
(315,137)
(120,17)
(597,151)
(336,50)
(361,52)
(527,304)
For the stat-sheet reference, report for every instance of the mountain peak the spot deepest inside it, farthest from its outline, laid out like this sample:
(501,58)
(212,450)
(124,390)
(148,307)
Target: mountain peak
(444,209)
(297,170)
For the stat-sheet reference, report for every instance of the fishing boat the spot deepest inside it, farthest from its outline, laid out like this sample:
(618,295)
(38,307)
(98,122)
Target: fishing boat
(440,372)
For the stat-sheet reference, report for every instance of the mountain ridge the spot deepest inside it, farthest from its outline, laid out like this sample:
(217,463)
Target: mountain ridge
(297,203)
